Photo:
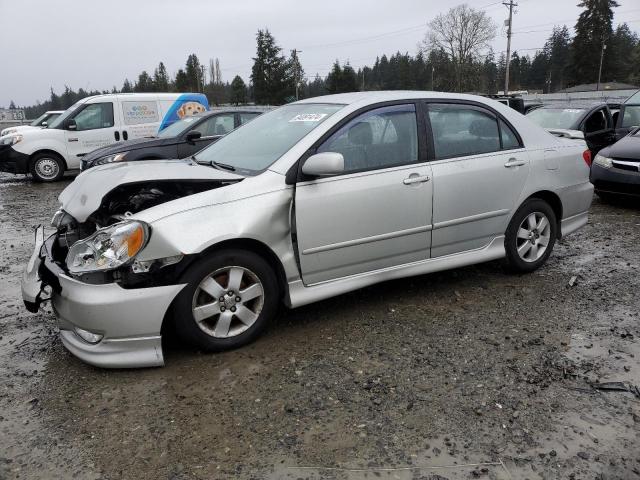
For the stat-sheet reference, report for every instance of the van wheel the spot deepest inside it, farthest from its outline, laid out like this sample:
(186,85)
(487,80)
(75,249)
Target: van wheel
(229,300)
(47,167)
(531,236)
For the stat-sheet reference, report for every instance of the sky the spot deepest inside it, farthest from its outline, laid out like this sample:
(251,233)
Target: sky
(97,44)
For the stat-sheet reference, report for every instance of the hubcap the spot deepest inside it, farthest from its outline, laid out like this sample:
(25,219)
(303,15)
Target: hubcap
(47,168)
(228,302)
(533,237)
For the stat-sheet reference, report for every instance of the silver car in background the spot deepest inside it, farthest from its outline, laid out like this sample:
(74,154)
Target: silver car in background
(309,201)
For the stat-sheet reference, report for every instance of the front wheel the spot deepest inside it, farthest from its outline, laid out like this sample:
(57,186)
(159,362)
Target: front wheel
(47,167)
(229,300)
(531,236)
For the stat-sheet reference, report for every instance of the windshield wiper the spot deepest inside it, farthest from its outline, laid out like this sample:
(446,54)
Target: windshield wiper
(231,168)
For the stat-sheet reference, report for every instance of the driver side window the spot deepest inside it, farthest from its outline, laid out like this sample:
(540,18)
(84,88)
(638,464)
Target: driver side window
(596,122)
(380,138)
(94,116)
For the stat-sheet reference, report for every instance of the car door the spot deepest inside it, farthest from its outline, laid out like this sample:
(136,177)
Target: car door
(375,215)
(598,130)
(628,119)
(91,127)
(479,171)
(211,129)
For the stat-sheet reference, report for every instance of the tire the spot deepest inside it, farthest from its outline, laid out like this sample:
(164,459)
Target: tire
(47,167)
(204,321)
(529,239)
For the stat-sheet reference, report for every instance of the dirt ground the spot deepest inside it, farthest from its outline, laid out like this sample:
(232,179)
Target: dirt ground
(471,373)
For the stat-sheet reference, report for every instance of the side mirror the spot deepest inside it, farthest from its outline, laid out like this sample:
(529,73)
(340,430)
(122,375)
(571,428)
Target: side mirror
(43,124)
(324,164)
(71,124)
(192,137)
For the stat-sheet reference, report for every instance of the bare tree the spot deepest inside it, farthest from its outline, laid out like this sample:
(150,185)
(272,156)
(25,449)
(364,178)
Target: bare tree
(462,33)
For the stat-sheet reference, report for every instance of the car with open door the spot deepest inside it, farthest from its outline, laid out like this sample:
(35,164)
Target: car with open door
(306,202)
(180,140)
(592,122)
(628,118)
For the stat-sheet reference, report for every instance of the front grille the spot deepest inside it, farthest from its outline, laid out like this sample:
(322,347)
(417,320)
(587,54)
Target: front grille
(628,164)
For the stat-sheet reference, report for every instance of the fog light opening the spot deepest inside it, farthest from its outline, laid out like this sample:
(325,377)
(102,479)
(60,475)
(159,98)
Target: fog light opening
(87,336)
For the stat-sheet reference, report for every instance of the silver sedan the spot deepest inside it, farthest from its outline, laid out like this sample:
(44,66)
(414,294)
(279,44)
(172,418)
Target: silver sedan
(309,201)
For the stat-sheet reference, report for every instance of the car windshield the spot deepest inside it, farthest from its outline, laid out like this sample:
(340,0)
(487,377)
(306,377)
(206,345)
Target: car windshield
(178,127)
(58,122)
(259,143)
(565,118)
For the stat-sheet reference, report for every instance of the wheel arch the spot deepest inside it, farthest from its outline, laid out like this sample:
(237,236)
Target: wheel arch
(50,152)
(254,246)
(554,202)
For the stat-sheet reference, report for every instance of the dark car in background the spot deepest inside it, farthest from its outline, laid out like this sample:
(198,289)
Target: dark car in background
(615,171)
(594,122)
(180,140)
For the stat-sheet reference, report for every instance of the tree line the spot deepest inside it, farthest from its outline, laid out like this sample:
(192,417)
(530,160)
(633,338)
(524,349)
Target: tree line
(448,60)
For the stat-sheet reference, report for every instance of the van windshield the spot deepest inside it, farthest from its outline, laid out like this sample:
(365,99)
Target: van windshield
(256,145)
(58,122)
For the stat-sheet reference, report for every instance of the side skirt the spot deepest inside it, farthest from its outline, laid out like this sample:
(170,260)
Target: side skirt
(299,294)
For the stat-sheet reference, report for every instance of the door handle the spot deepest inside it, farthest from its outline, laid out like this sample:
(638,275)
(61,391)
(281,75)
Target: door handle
(125,135)
(116,134)
(416,179)
(514,162)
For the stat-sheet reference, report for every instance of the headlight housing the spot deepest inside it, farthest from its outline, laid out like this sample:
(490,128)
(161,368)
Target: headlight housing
(603,161)
(109,248)
(116,157)
(10,139)
(8,131)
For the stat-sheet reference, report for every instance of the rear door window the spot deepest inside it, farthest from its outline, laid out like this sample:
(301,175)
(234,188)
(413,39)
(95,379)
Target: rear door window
(462,130)
(216,125)
(509,138)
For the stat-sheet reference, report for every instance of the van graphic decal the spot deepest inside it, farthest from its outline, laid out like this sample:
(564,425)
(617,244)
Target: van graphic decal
(186,105)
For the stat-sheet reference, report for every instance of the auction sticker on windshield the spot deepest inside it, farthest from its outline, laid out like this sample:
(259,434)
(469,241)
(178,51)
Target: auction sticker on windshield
(308,117)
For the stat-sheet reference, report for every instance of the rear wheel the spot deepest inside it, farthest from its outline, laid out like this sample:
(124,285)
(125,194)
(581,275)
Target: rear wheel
(230,298)
(47,167)
(531,235)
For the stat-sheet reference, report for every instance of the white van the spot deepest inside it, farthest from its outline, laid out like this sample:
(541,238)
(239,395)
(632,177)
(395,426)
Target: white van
(92,123)
(41,122)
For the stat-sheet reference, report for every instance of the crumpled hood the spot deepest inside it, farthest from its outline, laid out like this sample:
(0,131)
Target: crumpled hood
(84,195)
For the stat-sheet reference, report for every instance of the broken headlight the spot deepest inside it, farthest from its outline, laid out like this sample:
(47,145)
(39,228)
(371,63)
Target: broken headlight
(108,248)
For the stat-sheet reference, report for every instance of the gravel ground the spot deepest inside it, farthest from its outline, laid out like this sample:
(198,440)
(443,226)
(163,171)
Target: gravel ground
(468,373)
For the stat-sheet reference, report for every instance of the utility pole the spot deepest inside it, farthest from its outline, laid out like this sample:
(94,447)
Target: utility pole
(296,70)
(510,5)
(432,89)
(604,47)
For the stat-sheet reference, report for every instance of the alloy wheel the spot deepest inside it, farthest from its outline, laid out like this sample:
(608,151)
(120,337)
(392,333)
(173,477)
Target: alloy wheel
(533,237)
(228,302)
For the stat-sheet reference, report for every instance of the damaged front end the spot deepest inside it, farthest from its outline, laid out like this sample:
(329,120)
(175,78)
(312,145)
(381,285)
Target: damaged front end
(111,306)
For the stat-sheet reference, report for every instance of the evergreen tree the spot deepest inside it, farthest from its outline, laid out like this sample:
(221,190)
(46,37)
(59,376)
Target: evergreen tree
(193,72)
(557,50)
(238,91)
(144,83)
(271,76)
(161,79)
(12,105)
(181,83)
(593,30)
(126,87)
(622,64)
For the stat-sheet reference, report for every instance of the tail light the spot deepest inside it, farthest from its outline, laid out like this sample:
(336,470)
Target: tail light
(586,155)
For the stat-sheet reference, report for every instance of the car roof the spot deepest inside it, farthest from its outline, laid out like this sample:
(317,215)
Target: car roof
(391,95)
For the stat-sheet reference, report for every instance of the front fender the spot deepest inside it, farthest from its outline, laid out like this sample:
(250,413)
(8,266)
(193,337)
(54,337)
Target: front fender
(264,218)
